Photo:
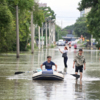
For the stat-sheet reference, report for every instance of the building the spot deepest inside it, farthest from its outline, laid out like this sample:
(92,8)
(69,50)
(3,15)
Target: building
(42,4)
(85,12)
(69,37)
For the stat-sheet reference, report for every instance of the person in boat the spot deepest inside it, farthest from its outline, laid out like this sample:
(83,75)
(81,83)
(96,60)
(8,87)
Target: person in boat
(48,64)
(79,63)
(64,55)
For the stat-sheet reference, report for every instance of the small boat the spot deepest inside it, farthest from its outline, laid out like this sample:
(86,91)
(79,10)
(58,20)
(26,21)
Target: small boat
(48,75)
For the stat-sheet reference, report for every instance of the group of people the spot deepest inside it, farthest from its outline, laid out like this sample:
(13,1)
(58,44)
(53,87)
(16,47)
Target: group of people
(79,62)
(75,45)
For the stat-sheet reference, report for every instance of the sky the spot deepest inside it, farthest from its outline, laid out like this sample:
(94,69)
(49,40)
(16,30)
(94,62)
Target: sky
(65,10)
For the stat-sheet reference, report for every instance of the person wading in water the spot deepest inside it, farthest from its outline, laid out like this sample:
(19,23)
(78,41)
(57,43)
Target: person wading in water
(70,45)
(79,63)
(64,55)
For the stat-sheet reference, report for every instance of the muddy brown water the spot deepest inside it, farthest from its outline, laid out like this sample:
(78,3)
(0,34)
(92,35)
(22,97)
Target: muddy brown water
(22,87)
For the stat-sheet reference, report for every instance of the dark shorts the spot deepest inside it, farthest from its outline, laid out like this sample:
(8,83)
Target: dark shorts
(79,68)
(75,48)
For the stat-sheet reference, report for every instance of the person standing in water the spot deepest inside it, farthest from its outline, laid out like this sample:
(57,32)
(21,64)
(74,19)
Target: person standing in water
(79,63)
(75,46)
(64,55)
(70,45)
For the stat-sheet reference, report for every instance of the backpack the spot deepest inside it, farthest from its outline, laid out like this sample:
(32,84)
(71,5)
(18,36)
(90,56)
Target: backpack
(64,54)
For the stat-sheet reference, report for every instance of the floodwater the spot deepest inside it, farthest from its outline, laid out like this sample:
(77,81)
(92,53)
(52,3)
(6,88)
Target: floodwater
(22,87)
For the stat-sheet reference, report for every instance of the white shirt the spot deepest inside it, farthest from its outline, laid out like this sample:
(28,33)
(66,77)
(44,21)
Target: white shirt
(65,51)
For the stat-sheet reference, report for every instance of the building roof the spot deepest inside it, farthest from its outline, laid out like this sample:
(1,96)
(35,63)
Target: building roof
(70,35)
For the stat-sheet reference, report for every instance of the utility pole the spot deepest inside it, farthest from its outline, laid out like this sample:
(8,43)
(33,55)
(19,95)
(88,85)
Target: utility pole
(46,33)
(53,32)
(61,25)
(39,37)
(32,34)
(58,34)
(42,35)
(17,32)
(91,40)
(49,34)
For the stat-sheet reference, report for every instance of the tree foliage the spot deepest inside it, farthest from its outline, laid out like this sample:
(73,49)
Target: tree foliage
(60,33)
(93,19)
(49,14)
(6,27)
(80,27)
(8,22)
(69,29)
(38,15)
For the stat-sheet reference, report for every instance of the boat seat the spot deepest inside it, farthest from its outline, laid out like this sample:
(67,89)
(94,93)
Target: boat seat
(47,72)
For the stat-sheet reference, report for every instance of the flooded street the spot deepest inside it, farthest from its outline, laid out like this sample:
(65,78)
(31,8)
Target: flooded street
(22,87)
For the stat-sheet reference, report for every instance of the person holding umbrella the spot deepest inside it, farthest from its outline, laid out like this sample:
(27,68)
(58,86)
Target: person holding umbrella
(79,63)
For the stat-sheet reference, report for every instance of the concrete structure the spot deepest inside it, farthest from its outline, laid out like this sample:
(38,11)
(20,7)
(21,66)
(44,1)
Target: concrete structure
(85,12)
(42,4)
(69,37)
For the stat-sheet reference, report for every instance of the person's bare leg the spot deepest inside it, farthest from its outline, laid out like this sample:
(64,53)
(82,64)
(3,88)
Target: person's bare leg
(80,82)
(76,74)
(80,75)
(76,81)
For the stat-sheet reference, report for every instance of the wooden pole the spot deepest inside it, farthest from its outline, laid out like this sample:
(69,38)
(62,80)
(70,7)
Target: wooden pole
(46,34)
(42,35)
(49,34)
(17,33)
(39,37)
(32,34)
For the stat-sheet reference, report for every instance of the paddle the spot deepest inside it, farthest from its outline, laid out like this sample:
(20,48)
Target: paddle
(19,72)
(24,72)
(75,75)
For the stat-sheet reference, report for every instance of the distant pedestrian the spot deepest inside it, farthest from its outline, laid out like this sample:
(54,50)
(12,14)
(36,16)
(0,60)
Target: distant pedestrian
(75,46)
(79,63)
(64,55)
(70,45)
(66,42)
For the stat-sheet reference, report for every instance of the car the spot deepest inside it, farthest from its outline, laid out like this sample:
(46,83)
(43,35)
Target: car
(61,43)
(61,40)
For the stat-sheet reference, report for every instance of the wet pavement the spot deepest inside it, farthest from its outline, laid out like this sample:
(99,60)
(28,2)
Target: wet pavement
(22,87)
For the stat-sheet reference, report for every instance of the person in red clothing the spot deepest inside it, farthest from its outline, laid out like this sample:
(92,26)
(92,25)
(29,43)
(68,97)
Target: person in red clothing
(75,46)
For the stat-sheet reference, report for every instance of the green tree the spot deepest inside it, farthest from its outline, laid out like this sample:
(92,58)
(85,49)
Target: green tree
(8,23)
(6,27)
(38,15)
(60,33)
(93,19)
(69,29)
(80,27)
